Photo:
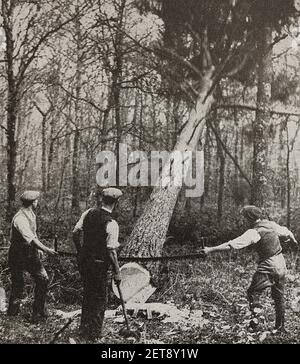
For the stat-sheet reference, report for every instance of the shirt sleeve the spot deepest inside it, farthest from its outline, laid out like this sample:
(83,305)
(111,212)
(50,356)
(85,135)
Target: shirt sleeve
(112,229)
(250,237)
(21,223)
(79,224)
(283,232)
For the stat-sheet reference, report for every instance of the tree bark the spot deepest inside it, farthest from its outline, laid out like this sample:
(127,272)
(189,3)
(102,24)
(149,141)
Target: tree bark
(221,184)
(116,81)
(44,155)
(11,109)
(75,156)
(260,186)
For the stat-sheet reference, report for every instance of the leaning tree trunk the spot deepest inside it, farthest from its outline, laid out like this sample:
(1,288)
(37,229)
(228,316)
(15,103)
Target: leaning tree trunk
(260,185)
(148,236)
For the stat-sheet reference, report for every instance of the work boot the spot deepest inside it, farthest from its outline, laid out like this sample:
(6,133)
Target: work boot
(279,320)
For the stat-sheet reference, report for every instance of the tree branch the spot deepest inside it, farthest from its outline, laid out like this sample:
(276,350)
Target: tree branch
(210,125)
(254,108)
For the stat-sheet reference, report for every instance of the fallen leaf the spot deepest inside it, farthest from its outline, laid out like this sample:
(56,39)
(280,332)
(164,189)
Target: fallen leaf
(263,336)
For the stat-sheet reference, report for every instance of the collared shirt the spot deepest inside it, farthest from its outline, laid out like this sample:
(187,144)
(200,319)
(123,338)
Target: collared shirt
(251,236)
(112,230)
(275,264)
(25,222)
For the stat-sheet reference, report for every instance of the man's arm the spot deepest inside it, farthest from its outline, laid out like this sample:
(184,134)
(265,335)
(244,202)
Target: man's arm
(250,237)
(284,232)
(218,248)
(76,240)
(112,253)
(22,225)
(77,231)
(43,247)
(112,244)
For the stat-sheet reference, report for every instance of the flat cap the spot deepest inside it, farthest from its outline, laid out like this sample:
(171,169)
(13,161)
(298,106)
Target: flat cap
(251,212)
(30,196)
(112,192)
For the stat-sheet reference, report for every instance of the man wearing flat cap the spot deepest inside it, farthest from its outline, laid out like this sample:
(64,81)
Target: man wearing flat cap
(25,255)
(100,242)
(264,235)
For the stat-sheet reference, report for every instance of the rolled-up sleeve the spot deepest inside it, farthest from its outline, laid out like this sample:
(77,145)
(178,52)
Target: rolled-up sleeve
(283,232)
(21,223)
(79,224)
(250,237)
(112,229)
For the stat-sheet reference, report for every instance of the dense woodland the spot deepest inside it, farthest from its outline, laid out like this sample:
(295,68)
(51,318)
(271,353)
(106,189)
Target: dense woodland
(220,76)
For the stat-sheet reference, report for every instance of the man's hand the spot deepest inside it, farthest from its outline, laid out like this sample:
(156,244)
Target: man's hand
(51,252)
(207,250)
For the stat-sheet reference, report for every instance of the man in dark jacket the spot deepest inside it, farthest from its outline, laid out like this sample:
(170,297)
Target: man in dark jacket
(25,255)
(271,271)
(100,242)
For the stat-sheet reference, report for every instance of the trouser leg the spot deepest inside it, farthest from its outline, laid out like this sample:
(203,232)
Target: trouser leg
(16,294)
(94,300)
(260,282)
(41,279)
(279,301)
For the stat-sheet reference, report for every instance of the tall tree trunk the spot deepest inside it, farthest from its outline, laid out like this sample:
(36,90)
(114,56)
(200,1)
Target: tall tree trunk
(117,79)
(44,155)
(236,144)
(260,185)
(288,184)
(11,152)
(75,157)
(50,157)
(75,173)
(11,109)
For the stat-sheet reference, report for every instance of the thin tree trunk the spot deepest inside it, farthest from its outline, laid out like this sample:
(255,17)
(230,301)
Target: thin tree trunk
(221,184)
(260,185)
(236,143)
(75,157)
(50,155)
(11,108)
(207,169)
(44,155)
(288,184)
(116,82)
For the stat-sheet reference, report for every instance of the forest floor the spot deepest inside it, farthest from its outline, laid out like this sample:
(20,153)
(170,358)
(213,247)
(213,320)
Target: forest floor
(212,291)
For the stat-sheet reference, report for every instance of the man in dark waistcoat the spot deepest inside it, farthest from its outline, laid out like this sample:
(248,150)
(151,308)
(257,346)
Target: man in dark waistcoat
(25,254)
(100,242)
(271,271)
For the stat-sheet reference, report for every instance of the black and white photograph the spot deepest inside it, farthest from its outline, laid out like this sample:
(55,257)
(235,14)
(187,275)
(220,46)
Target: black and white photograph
(149,174)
